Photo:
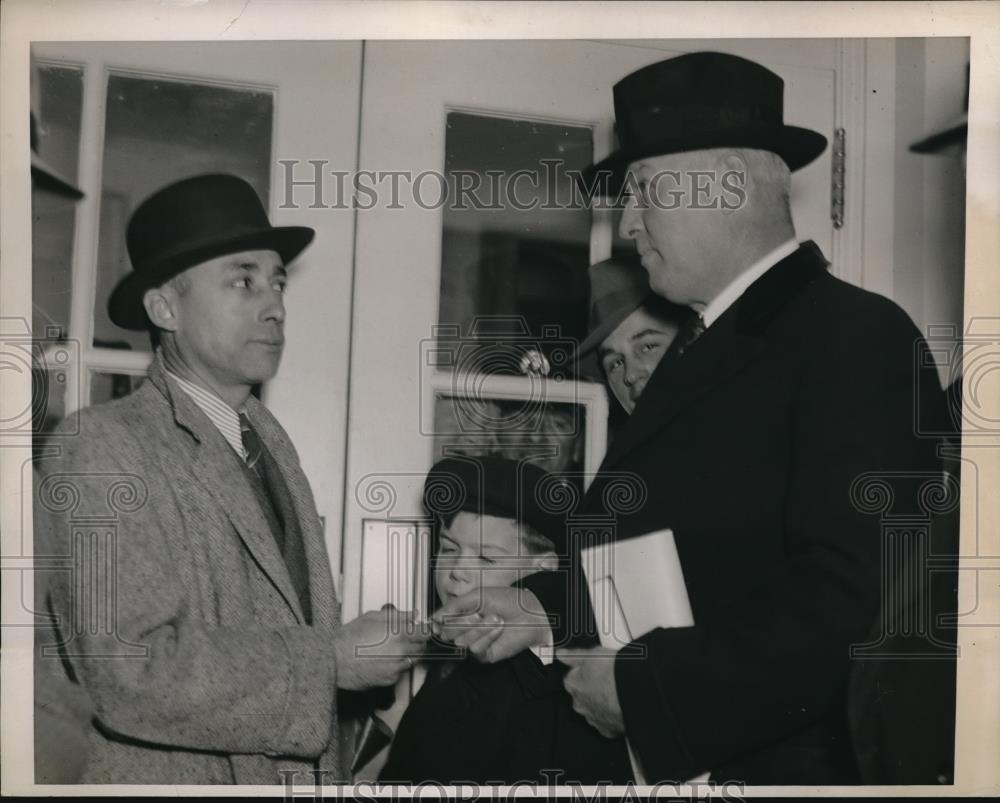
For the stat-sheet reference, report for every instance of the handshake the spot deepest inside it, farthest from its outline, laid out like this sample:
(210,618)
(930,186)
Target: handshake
(377,647)
(491,623)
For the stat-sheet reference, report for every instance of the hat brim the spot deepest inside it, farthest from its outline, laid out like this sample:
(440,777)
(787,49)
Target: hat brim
(956,131)
(608,325)
(125,306)
(46,176)
(796,146)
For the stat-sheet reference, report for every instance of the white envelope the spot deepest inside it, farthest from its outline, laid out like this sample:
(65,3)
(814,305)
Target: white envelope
(637,585)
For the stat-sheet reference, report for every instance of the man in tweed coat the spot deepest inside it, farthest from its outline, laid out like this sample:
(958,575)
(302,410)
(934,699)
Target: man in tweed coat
(201,614)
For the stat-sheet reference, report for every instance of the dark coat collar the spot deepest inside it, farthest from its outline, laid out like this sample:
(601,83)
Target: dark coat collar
(767,296)
(730,344)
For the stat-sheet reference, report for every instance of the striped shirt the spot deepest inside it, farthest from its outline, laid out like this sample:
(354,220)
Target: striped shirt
(225,418)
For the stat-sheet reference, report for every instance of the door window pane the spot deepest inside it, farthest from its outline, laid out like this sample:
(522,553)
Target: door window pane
(106,386)
(549,434)
(158,131)
(515,268)
(60,92)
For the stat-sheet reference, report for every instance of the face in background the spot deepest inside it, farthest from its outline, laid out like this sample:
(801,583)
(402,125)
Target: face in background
(482,552)
(227,317)
(630,354)
(675,238)
(557,429)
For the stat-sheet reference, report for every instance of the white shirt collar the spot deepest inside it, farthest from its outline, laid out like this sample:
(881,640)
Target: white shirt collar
(732,291)
(225,418)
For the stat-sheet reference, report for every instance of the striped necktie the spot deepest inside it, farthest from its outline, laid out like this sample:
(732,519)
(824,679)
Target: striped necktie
(251,443)
(692,329)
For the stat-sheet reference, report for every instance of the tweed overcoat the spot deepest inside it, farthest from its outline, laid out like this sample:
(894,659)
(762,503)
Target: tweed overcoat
(179,616)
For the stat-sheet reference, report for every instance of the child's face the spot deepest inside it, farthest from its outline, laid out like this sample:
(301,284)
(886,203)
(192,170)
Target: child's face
(481,552)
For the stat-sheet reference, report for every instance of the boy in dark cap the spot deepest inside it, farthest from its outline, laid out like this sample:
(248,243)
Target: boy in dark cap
(498,722)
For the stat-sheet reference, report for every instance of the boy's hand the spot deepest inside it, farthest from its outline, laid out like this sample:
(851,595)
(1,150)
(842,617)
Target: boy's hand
(590,681)
(377,647)
(493,623)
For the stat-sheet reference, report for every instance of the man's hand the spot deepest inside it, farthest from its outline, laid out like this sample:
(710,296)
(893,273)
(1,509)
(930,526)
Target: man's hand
(377,647)
(493,623)
(534,363)
(590,681)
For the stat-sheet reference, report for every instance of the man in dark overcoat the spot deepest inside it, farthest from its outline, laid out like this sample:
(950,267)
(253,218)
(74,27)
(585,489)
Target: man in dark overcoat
(780,410)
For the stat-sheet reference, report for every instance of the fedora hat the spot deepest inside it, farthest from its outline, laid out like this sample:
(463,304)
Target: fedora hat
(699,101)
(618,287)
(43,174)
(190,222)
(955,130)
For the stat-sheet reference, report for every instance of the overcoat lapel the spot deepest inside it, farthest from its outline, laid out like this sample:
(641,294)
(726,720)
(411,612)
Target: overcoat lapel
(321,591)
(214,464)
(679,383)
(731,344)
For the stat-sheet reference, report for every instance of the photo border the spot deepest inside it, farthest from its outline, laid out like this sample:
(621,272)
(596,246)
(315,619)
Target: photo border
(977,737)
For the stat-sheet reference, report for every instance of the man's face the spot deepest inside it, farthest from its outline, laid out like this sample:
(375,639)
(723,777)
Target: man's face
(480,552)
(630,354)
(671,219)
(230,318)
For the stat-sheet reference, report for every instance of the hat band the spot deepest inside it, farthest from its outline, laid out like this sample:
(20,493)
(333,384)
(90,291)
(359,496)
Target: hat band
(647,125)
(618,305)
(197,244)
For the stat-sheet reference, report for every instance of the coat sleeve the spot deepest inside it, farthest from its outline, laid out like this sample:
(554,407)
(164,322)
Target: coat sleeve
(777,658)
(156,673)
(564,596)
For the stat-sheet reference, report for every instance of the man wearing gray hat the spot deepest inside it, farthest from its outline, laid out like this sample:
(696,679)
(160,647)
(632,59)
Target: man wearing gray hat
(216,653)
(631,328)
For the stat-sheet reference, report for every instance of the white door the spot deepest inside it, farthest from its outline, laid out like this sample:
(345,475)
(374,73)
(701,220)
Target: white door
(432,106)
(150,113)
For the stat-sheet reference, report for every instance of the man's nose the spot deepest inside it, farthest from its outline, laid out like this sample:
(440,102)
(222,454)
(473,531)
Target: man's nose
(273,309)
(632,374)
(631,221)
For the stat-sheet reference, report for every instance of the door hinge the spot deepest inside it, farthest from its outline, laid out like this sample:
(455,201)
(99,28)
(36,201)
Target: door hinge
(837,178)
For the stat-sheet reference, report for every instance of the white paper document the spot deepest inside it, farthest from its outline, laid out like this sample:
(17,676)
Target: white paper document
(636,585)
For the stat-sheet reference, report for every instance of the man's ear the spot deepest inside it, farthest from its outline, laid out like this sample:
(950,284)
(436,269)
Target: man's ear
(161,307)
(546,562)
(734,177)
(731,159)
